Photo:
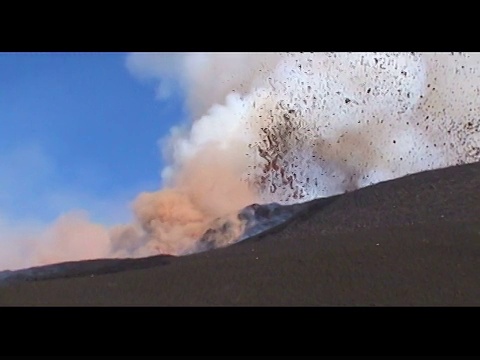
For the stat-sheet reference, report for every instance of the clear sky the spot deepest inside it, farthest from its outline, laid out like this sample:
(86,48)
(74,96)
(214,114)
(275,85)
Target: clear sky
(77,131)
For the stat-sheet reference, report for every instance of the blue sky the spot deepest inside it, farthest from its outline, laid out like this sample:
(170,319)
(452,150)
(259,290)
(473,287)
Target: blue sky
(78,130)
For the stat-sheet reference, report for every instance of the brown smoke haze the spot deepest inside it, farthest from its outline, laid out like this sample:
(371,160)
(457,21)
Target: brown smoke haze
(283,128)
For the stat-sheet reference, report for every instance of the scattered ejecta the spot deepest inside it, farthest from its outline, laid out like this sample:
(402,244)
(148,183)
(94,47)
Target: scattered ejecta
(280,129)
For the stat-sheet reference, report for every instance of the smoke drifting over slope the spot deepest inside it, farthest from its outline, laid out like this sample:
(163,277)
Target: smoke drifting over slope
(283,128)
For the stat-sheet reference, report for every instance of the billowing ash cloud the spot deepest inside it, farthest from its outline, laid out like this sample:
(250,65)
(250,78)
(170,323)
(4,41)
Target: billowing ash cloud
(286,128)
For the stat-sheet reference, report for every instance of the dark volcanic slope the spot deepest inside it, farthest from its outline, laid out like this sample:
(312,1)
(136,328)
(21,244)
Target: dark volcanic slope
(411,241)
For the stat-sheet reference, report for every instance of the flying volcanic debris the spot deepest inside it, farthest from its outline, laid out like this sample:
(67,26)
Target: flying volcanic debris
(280,129)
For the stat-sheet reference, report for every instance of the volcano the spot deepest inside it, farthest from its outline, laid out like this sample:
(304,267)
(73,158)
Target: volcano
(408,241)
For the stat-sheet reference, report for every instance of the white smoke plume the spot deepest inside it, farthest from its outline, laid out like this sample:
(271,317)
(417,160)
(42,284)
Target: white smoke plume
(285,128)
